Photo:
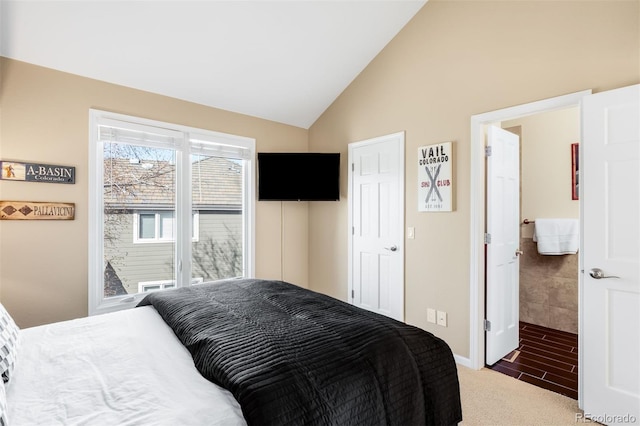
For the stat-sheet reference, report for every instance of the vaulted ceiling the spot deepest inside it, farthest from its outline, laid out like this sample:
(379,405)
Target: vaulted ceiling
(284,61)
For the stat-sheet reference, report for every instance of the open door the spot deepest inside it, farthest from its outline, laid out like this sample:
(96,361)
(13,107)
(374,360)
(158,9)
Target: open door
(610,304)
(502,243)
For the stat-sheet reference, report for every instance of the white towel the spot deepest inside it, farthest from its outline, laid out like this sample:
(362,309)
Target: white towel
(557,236)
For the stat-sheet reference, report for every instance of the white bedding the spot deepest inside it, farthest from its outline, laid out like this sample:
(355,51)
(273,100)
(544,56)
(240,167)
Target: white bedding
(122,368)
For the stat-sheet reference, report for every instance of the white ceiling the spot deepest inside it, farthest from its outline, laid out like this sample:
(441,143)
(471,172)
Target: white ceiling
(285,61)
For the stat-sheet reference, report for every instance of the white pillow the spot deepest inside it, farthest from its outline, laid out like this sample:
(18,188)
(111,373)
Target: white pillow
(3,406)
(9,339)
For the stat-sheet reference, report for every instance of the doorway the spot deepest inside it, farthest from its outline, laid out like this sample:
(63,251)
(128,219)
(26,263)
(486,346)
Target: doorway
(478,217)
(608,284)
(547,350)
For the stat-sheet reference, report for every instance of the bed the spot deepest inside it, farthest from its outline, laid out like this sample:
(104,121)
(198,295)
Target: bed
(231,352)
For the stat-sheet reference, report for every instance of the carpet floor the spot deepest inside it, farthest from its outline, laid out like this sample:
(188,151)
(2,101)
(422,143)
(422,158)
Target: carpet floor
(490,398)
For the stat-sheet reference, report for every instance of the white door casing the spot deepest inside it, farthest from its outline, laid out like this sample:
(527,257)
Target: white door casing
(376,216)
(610,301)
(503,240)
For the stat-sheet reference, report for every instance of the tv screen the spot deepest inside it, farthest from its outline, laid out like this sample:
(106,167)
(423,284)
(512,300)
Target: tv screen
(292,176)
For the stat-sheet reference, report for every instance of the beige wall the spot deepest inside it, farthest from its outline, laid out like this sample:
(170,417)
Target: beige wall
(45,116)
(453,60)
(546,164)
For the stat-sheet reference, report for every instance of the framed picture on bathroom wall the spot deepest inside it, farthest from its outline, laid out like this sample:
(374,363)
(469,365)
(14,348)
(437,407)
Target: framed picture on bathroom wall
(575,171)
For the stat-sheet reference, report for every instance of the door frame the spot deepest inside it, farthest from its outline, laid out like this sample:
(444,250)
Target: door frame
(401,201)
(477,216)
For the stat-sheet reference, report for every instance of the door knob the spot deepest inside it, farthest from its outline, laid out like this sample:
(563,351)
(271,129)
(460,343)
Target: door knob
(519,252)
(392,248)
(598,274)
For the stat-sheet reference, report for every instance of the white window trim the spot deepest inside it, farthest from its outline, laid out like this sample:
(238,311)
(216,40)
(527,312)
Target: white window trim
(163,284)
(186,140)
(158,240)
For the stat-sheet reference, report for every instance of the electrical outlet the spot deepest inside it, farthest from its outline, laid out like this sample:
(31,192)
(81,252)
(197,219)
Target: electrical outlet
(431,315)
(442,318)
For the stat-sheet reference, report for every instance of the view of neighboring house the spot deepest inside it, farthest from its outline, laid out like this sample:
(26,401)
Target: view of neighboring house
(140,220)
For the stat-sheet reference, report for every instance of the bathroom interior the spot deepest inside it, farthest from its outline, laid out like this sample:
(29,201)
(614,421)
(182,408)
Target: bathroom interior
(548,351)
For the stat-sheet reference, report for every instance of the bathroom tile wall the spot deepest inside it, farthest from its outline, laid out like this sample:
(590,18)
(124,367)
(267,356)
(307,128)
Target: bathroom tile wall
(548,288)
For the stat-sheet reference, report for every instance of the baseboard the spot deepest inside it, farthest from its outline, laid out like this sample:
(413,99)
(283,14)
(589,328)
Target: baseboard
(465,362)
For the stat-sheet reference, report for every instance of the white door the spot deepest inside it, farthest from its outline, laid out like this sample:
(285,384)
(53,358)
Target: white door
(503,240)
(610,180)
(376,213)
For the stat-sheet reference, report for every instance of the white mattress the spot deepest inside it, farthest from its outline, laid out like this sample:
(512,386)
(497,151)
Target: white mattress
(122,368)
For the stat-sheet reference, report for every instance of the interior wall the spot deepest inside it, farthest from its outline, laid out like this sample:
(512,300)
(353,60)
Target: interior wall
(45,117)
(453,60)
(546,165)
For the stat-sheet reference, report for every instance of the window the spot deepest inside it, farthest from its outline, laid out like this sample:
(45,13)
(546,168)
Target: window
(148,286)
(154,227)
(186,195)
(157,227)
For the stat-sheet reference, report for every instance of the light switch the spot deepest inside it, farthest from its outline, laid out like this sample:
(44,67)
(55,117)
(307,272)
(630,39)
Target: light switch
(411,232)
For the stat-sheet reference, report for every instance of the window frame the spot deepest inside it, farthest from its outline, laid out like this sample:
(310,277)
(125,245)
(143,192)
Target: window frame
(158,239)
(186,141)
(163,284)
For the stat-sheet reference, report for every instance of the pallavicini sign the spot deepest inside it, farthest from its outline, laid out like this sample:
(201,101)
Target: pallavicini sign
(36,210)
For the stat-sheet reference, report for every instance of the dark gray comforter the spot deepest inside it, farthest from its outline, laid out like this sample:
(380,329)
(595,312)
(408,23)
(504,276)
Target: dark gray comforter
(293,356)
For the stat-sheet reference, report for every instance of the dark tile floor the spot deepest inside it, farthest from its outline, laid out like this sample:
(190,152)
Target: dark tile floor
(546,358)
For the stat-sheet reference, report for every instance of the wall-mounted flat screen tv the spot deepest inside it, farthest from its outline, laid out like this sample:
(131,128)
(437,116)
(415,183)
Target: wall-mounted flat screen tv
(293,176)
